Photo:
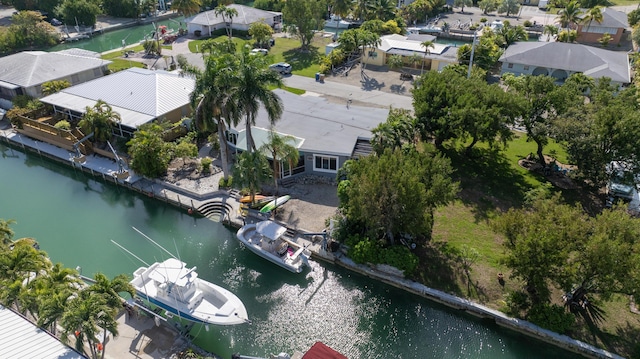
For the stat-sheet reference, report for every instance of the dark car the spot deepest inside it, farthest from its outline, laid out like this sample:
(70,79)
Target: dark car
(282,68)
(56,22)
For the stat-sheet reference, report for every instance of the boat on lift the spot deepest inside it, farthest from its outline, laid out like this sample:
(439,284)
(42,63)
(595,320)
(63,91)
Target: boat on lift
(178,290)
(335,22)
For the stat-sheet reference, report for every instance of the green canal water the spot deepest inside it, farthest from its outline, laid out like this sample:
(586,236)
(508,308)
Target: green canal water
(74,217)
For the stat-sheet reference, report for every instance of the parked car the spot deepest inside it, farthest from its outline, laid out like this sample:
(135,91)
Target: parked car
(264,52)
(282,68)
(56,22)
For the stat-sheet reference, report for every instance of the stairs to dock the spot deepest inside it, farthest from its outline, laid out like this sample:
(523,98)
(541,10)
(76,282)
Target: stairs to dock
(215,210)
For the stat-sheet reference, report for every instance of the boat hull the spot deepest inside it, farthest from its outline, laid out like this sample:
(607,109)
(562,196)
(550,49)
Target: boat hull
(247,235)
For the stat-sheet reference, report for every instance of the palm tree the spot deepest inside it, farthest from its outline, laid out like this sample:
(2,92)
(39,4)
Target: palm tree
(99,120)
(251,171)
(253,81)
(427,45)
(226,13)
(17,267)
(512,34)
(86,315)
(6,233)
(381,9)
(281,149)
(341,8)
(212,98)
(593,14)
(569,15)
(550,31)
(110,289)
(186,7)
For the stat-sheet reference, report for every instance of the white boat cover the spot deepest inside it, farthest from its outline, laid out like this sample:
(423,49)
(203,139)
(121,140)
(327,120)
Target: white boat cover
(270,229)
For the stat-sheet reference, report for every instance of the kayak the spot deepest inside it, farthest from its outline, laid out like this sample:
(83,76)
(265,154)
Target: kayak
(275,203)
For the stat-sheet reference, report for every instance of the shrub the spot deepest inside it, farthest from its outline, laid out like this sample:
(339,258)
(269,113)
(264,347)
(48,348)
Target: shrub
(552,317)
(206,164)
(363,250)
(517,302)
(401,258)
(483,20)
(63,125)
(225,183)
(527,23)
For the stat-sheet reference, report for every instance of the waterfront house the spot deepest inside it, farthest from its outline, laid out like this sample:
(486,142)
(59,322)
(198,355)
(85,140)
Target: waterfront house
(208,22)
(560,60)
(438,57)
(25,72)
(326,134)
(139,95)
(614,23)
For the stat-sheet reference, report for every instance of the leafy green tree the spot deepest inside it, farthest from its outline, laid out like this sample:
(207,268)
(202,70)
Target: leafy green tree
(281,149)
(538,243)
(122,8)
(150,155)
(48,6)
(251,171)
(260,32)
(186,147)
(509,6)
(605,39)
(6,233)
(462,3)
(28,28)
(432,100)
(375,26)
(85,12)
(569,36)
(570,15)
(544,102)
(187,7)
(488,6)
(633,17)
(99,120)
(22,5)
(51,87)
(486,54)
(399,129)
(397,192)
(604,130)
(302,19)
(227,14)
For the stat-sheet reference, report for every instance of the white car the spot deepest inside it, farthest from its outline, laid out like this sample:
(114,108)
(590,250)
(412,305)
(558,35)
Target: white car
(264,52)
(282,68)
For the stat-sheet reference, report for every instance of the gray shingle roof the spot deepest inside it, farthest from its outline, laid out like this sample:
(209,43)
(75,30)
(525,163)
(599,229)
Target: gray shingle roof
(19,338)
(246,15)
(612,18)
(324,127)
(30,68)
(592,61)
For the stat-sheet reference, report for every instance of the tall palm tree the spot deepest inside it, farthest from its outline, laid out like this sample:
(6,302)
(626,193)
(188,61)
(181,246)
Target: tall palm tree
(186,7)
(427,45)
(213,100)
(253,82)
(281,149)
(550,30)
(227,14)
(361,9)
(593,14)
(570,15)
(381,9)
(341,8)
(110,289)
(99,120)
(512,34)
(52,292)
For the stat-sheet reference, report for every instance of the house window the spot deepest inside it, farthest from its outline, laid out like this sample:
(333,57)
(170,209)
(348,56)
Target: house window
(325,163)
(510,66)
(526,68)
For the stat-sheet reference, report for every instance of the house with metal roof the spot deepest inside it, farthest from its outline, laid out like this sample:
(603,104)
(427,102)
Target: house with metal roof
(560,60)
(207,22)
(326,134)
(19,338)
(614,23)
(25,72)
(437,57)
(138,95)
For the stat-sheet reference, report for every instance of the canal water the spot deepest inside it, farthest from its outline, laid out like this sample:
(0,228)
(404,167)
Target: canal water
(74,217)
(110,40)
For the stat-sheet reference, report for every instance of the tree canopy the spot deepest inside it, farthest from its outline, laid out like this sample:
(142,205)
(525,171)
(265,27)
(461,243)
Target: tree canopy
(302,19)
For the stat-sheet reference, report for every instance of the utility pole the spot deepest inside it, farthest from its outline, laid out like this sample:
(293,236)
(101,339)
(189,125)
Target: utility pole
(473,49)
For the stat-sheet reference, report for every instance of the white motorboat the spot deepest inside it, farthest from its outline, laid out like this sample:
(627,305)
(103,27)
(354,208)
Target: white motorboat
(266,240)
(175,288)
(336,22)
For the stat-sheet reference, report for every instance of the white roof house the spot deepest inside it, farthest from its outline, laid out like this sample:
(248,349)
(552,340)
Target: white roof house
(439,56)
(560,60)
(321,129)
(20,338)
(25,72)
(138,95)
(208,22)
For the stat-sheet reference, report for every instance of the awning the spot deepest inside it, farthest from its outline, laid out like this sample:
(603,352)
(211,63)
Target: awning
(270,230)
